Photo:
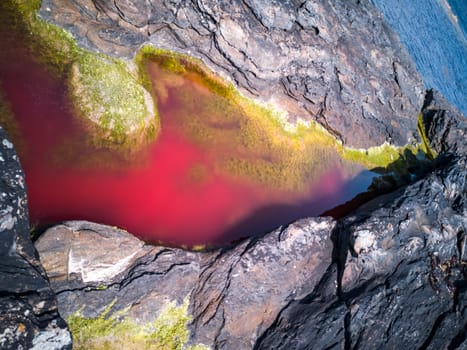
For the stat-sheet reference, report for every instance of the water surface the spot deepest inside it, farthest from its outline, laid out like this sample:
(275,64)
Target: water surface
(177,190)
(434,32)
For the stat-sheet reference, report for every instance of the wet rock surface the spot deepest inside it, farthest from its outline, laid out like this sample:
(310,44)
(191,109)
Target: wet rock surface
(393,274)
(336,62)
(29,317)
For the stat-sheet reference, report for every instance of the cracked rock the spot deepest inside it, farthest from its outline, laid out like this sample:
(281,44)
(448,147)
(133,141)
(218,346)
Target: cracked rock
(392,274)
(283,52)
(29,317)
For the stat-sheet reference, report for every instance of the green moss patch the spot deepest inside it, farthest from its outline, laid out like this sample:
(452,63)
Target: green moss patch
(167,332)
(108,95)
(119,111)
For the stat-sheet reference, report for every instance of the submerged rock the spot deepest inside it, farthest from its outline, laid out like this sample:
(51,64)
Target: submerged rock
(118,111)
(336,62)
(29,318)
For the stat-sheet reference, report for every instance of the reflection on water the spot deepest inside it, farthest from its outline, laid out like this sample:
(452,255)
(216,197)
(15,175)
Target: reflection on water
(459,9)
(178,192)
(434,33)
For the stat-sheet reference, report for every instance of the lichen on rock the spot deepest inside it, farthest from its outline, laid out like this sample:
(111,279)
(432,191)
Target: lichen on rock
(107,94)
(111,100)
(167,332)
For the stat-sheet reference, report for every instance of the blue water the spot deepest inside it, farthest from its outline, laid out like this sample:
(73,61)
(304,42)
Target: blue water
(459,8)
(436,41)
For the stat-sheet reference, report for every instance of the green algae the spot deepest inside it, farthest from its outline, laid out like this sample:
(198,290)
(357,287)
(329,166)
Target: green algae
(107,94)
(111,97)
(167,332)
(262,146)
(425,144)
(97,85)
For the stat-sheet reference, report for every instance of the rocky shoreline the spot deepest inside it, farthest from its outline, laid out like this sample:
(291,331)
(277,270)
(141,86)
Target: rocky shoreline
(316,60)
(391,274)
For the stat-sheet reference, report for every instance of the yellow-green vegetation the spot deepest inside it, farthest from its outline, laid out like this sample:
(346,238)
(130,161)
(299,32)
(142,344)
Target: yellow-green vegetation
(425,145)
(374,157)
(111,97)
(260,144)
(116,331)
(108,94)
(104,91)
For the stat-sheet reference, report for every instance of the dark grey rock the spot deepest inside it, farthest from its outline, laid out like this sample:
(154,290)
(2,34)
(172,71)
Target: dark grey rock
(336,62)
(235,294)
(401,264)
(445,126)
(29,317)
(393,274)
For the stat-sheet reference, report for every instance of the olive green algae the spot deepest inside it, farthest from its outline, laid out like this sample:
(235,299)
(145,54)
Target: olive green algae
(107,93)
(104,91)
(117,331)
(111,97)
(254,138)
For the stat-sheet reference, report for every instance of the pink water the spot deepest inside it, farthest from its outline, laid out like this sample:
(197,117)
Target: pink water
(173,194)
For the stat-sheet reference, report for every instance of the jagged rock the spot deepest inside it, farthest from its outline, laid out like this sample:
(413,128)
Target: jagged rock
(29,317)
(403,275)
(235,294)
(445,126)
(393,274)
(401,265)
(336,62)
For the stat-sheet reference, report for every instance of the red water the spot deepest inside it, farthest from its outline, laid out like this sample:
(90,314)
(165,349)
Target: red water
(173,195)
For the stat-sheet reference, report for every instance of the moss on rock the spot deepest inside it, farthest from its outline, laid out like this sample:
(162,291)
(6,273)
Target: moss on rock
(117,108)
(262,146)
(111,96)
(167,332)
(107,93)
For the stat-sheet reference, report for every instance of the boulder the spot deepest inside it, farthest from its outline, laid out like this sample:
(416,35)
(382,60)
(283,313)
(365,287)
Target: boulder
(29,317)
(335,62)
(402,275)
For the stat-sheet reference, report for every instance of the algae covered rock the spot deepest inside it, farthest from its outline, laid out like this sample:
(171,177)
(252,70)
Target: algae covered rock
(108,95)
(111,101)
(334,62)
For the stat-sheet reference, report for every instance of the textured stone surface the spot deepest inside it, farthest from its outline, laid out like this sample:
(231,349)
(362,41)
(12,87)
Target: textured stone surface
(401,265)
(336,62)
(393,274)
(234,293)
(445,126)
(29,317)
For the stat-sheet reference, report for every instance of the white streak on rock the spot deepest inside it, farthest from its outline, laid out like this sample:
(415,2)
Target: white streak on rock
(91,272)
